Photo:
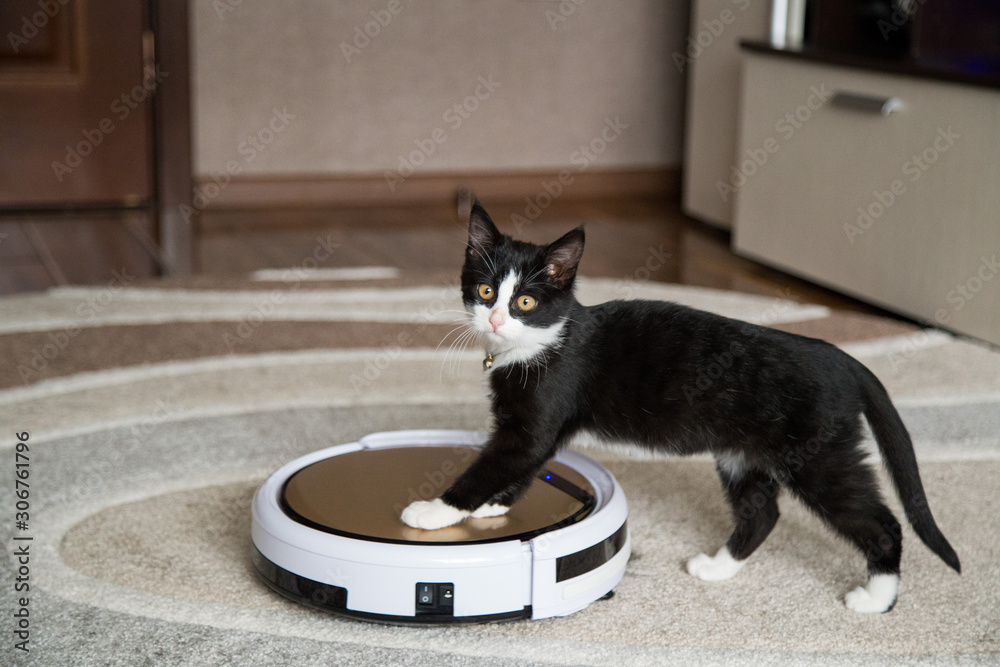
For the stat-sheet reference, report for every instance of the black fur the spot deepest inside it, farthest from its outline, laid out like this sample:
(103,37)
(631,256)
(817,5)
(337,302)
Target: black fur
(672,378)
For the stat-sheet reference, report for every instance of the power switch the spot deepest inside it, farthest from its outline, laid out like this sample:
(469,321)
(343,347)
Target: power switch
(435,599)
(425,595)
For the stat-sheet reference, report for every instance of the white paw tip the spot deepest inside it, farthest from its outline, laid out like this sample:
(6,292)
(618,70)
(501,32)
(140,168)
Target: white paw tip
(877,597)
(720,567)
(488,510)
(432,514)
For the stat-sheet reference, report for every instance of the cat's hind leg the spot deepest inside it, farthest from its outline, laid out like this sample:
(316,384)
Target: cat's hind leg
(847,497)
(754,499)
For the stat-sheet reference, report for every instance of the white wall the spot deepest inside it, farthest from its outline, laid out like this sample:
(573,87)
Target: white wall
(355,115)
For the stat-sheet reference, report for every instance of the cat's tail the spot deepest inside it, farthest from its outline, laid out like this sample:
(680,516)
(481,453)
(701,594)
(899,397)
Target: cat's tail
(897,451)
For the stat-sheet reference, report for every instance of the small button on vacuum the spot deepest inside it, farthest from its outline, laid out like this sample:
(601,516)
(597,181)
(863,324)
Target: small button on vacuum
(446,596)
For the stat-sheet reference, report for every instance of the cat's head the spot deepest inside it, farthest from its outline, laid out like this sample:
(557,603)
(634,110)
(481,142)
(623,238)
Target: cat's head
(519,293)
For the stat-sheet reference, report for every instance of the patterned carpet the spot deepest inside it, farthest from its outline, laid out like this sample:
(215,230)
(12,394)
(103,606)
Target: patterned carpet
(155,409)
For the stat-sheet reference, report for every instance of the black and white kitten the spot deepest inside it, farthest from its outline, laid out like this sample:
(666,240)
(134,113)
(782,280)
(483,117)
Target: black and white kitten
(783,413)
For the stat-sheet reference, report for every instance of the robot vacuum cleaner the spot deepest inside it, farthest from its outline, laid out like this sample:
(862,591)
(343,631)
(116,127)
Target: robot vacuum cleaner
(326,533)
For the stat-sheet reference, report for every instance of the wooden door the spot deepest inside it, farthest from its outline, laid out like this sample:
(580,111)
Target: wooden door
(76,84)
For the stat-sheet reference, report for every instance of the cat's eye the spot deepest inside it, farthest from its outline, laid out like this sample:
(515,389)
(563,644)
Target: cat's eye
(525,302)
(486,292)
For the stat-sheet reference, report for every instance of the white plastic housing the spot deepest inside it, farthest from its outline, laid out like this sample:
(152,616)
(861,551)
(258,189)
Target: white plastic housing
(490,578)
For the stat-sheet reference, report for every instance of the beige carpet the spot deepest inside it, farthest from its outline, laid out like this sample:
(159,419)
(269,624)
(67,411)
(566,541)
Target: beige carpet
(154,412)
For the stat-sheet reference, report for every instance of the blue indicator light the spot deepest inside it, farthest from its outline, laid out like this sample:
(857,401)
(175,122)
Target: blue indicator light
(548,476)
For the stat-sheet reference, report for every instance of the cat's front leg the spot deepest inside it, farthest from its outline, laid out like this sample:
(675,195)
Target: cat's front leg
(499,475)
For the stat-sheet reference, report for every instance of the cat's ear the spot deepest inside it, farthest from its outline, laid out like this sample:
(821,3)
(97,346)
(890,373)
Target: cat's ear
(483,234)
(563,256)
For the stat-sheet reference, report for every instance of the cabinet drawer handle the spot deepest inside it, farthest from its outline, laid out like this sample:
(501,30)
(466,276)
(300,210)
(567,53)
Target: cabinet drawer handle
(869,103)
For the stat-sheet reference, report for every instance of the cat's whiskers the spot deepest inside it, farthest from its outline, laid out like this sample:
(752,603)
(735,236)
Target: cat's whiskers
(464,325)
(468,317)
(457,347)
(471,338)
(454,348)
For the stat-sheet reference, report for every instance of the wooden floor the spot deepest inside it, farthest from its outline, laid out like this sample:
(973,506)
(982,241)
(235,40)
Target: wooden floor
(634,240)
(38,251)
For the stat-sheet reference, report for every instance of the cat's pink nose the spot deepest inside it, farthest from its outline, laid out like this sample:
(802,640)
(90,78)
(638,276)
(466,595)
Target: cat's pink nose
(496,319)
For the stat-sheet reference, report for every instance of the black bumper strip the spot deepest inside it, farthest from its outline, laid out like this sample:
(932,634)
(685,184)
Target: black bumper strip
(327,597)
(591,558)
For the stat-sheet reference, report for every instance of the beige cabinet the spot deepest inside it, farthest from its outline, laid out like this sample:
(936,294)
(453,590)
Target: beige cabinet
(712,62)
(882,186)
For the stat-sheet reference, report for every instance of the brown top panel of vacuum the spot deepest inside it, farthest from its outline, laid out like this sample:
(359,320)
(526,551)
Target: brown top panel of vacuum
(362,494)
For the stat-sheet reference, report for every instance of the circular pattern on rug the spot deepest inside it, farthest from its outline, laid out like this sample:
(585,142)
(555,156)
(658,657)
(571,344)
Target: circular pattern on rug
(143,467)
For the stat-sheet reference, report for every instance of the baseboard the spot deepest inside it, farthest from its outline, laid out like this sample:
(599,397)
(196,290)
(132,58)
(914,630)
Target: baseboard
(376,190)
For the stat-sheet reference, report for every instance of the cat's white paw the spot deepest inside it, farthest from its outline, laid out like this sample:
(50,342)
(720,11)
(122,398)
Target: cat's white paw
(488,510)
(432,514)
(876,597)
(719,567)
